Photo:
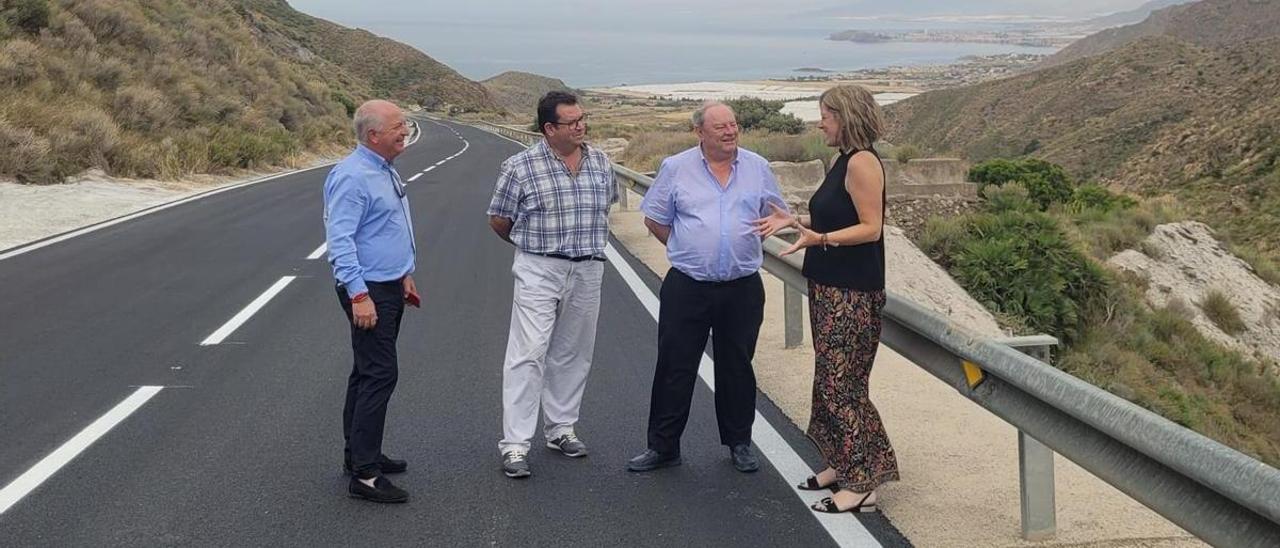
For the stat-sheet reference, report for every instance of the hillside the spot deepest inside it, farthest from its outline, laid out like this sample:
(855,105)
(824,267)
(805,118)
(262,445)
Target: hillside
(519,92)
(162,88)
(1159,116)
(1204,23)
(1136,15)
(390,68)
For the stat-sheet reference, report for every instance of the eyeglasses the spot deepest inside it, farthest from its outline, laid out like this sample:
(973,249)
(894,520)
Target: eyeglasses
(571,123)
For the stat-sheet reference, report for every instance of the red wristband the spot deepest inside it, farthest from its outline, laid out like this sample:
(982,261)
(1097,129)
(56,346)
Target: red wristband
(360,297)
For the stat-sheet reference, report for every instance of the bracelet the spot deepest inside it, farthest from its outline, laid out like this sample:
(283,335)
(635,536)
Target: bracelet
(359,298)
(824,240)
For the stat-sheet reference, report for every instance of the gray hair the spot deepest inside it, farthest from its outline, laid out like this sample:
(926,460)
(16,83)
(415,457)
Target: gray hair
(700,115)
(368,117)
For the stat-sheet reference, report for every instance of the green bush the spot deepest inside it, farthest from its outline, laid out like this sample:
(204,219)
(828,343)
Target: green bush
(781,147)
(906,153)
(1019,263)
(1095,196)
(754,113)
(1047,183)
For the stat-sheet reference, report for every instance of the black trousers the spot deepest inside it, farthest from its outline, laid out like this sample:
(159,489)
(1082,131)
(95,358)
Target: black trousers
(732,312)
(373,376)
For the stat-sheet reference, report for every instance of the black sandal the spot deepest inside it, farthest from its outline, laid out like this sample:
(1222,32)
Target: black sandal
(811,484)
(828,506)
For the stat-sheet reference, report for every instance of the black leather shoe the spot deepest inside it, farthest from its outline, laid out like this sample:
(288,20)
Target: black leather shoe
(652,460)
(386,465)
(743,458)
(382,491)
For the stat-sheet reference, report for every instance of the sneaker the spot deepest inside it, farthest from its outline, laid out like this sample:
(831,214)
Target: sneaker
(515,464)
(569,444)
(743,458)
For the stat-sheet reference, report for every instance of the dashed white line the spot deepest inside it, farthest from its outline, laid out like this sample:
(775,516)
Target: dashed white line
(428,169)
(415,177)
(243,316)
(48,466)
(319,252)
(843,528)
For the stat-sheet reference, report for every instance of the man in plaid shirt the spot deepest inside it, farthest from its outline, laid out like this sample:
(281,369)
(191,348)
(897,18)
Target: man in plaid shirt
(552,202)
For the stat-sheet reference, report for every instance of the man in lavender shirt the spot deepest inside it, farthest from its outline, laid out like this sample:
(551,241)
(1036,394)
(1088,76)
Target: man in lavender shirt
(702,206)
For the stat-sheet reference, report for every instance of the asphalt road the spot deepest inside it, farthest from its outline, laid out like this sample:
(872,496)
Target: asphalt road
(242,446)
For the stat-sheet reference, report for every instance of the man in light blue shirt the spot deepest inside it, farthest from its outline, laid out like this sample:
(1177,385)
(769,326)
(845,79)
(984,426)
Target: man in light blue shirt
(703,207)
(370,240)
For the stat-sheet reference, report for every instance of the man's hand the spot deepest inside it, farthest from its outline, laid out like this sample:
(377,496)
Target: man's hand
(411,293)
(778,220)
(364,315)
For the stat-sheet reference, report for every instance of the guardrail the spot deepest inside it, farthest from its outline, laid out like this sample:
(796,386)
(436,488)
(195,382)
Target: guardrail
(1218,494)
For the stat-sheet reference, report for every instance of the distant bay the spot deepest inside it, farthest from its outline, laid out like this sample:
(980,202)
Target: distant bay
(584,57)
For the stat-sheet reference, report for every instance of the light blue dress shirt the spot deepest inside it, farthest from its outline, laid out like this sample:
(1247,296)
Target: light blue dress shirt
(366,222)
(712,237)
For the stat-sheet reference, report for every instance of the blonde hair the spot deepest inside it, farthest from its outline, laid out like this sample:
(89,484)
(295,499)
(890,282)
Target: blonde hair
(861,122)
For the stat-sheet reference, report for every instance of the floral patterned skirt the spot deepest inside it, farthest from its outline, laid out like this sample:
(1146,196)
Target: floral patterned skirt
(843,423)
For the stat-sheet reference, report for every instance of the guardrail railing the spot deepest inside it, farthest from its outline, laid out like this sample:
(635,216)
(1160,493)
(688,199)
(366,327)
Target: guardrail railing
(1217,493)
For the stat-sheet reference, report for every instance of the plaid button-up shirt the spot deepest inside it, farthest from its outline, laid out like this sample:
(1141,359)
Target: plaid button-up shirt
(552,210)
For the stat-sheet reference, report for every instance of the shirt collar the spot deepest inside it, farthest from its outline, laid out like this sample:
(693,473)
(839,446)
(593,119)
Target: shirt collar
(368,154)
(737,155)
(546,149)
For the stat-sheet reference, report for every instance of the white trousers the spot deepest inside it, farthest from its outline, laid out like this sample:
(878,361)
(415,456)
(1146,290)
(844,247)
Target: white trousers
(549,347)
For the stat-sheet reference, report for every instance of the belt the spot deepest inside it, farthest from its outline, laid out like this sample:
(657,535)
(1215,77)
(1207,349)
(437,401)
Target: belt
(571,259)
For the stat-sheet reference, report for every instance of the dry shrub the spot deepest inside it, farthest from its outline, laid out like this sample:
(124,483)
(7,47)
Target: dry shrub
(783,147)
(25,156)
(1218,307)
(84,138)
(19,63)
(142,108)
(646,151)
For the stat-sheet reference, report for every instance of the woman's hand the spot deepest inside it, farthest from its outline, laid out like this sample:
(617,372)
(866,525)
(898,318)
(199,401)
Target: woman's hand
(808,238)
(778,220)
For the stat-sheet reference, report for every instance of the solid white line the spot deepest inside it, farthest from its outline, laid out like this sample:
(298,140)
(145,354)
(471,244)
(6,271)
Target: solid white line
(48,466)
(846,530)
(135,215)
(319,252)
(243,316)
(415,177)
(441,162)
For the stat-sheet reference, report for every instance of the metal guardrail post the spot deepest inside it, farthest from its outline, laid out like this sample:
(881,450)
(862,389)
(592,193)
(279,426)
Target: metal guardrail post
(1035,460)
(624,198)
(792,316)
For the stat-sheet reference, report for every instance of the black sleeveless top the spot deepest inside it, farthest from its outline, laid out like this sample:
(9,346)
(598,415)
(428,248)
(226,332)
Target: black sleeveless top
(859,267)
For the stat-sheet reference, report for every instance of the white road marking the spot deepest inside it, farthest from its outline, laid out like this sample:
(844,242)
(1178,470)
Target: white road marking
(48,466)
(243,316)
(319,252)
(845,529)
(414,177)
(428,169)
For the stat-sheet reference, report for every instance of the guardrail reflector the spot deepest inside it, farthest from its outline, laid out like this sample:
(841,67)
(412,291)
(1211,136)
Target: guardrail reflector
(973,374)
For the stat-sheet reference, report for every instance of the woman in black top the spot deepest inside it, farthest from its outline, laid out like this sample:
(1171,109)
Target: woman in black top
(844,262)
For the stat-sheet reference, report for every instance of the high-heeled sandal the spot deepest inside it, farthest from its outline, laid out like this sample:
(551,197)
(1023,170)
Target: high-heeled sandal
(828,506)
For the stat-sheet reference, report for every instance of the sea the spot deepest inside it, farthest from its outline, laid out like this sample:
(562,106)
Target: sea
(583,55)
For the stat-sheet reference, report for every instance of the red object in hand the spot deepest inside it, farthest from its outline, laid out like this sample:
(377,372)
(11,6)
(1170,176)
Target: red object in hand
(413,300)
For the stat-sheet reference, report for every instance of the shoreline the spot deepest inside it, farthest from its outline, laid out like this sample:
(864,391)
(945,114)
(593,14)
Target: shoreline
(889,85)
